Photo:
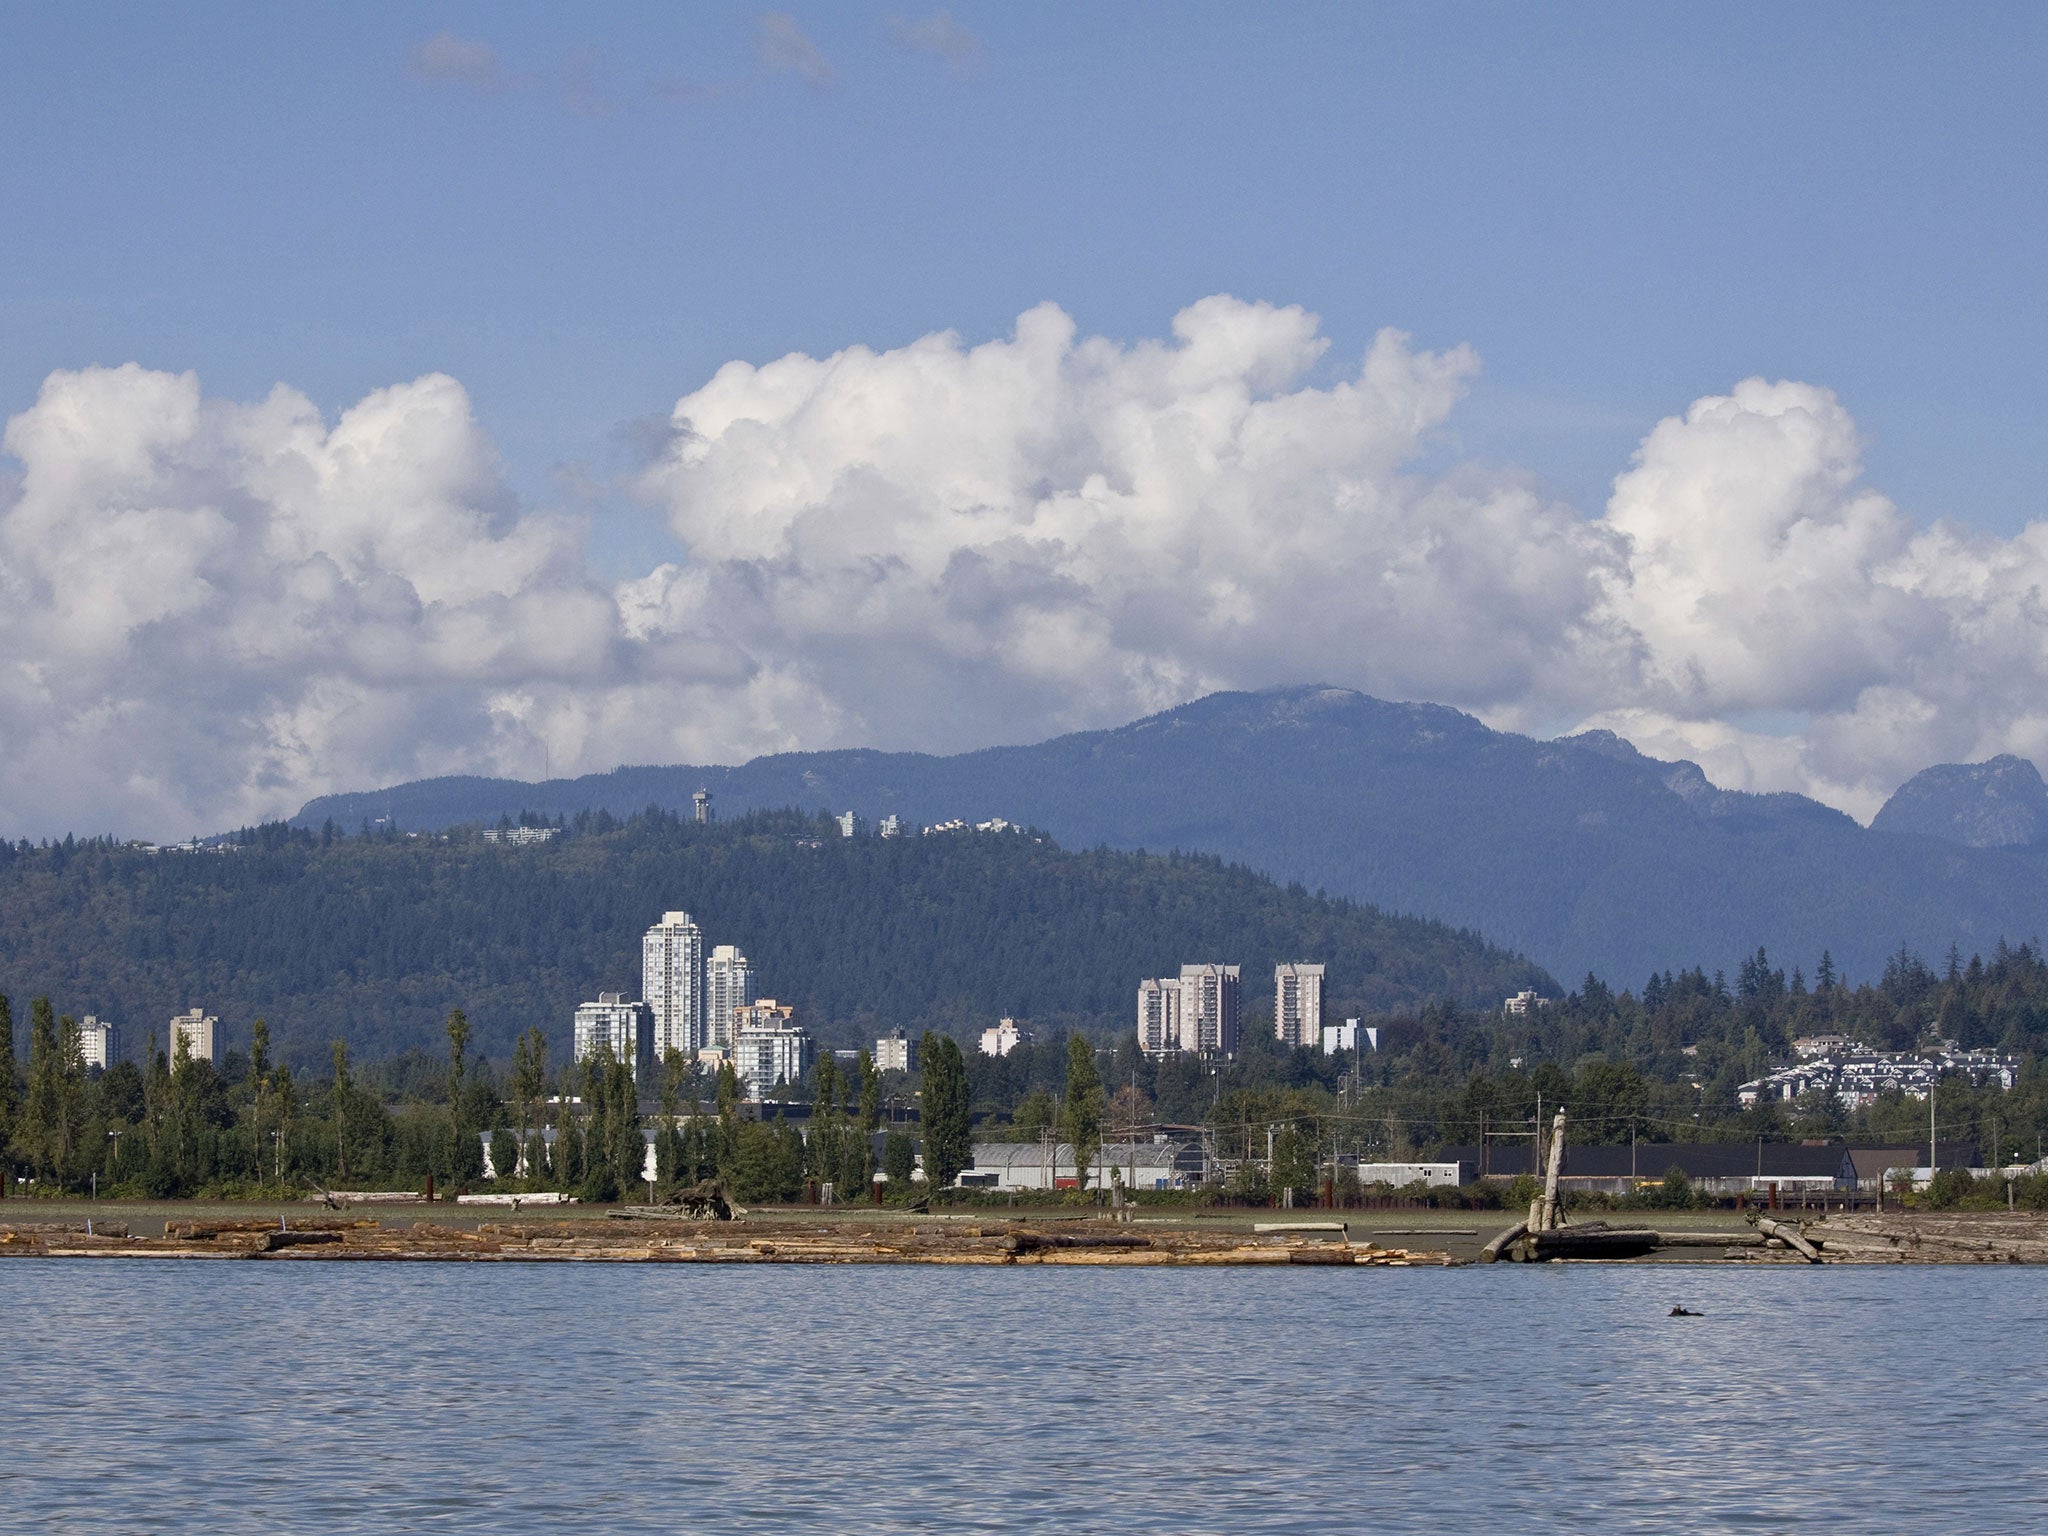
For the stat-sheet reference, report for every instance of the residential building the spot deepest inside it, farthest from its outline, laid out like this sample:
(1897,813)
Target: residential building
(768,1049)
(1345,1037)
(850,824)
(1521,1002)
(728,986)
(1208,1009)
(1856,1076)
(895,1052)
(1001,1038)
(1298,1004)
(1159,1016)
(100,1042)
(672,982)
(893,825)
(200,1033)
(519,837)
(626,1026)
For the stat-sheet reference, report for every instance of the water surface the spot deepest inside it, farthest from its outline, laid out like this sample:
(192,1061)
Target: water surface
(583,1397)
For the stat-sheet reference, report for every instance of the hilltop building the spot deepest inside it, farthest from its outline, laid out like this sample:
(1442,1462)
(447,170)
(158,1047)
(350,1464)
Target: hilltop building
(728,987)
(627,1027)
(1001,1038)
(1522,1002)
(895,1052)
(850,824)
(200,1033)
(893,825)
(672,981)
(100,1042)
(1856,1076)
(1298,1004)
(519,837)
(768,1048)
(700,802)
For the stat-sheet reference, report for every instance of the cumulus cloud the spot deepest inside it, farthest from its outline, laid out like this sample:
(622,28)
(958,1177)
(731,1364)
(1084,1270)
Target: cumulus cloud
(785,49)
(942,37)
(220,608)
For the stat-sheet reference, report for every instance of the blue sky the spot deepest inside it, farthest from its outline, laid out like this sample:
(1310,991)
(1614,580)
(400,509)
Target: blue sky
(582,213)
(1619,207)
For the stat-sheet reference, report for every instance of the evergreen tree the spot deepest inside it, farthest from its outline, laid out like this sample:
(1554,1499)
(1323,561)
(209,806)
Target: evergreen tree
(947,1142)
(1081,1114)
(899,1162)
(668,1138)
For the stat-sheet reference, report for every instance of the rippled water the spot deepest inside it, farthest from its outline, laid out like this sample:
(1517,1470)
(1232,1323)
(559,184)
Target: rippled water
(388,1397)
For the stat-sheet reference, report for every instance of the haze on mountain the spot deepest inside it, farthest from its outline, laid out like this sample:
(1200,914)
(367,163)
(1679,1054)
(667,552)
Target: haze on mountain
(1582,853)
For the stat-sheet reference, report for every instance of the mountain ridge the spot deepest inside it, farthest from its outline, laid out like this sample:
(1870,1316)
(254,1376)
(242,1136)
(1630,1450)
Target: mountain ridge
(1582,852)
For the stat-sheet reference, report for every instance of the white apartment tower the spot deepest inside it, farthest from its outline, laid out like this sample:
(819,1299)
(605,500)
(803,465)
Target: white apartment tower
(1208,1009)
(672,982)
(626,1026)
(895,1052)
(200,1032)
(100,1042)
(768,1048)
(1298,1004)
(1159,1016)
(728,985)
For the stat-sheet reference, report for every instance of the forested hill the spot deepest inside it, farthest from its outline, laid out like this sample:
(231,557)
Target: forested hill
(1581,853)
(374,939)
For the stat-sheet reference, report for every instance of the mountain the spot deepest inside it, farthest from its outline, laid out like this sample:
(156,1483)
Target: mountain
(374,939)
(2001,803)
(1581,853)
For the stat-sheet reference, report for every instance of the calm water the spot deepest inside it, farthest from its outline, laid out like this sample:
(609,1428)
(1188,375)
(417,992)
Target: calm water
(384,1397)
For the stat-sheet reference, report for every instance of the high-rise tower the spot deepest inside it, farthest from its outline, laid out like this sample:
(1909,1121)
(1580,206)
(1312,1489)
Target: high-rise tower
(672,982)
(1298,1004)
(728,985)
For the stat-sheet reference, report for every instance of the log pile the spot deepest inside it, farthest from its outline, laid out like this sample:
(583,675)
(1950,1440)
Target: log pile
(1932,1237)
(658,1240)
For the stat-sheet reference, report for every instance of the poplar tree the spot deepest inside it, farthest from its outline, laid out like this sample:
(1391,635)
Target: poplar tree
(870,1093)
(1081,1114)
(947,1141)
(9,1087)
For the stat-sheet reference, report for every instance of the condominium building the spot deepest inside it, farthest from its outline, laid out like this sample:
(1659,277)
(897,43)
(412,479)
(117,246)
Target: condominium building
(1002,1037)
(672,981)
(626,1026)
(728,985)
(101,1043)
(1159,1016)
(768,1048)
(850,824)
(1298,1004)
(895,1052)
(893,825)
(200,1034)
(1208,1009)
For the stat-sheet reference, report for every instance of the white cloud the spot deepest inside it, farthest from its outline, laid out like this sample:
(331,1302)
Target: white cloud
(218,609)
(448,58)
(784,49)
(942,37)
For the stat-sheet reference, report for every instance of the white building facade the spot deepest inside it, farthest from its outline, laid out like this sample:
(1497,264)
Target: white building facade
(728,987)
(101,1043)
(895,1052)
(1298,1004)
(626,1026)
(200,1033)
(1001,1038)
(672,982)
(1209,1009)
(1159,1016)
(768,1049)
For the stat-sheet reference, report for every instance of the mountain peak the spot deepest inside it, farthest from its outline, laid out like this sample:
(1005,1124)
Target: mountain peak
(1998,803)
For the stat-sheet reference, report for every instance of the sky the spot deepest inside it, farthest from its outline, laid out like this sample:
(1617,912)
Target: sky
(394,391)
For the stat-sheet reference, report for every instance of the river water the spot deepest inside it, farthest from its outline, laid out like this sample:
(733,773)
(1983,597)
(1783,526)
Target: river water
(183,1396)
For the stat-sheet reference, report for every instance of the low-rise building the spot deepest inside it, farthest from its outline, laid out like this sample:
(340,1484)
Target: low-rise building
(625,1025)
(1856,1076)
(895,1052)
(199,1032)
(1350,1036)
(1158,1163)
(1522,1002)
(518,837)
(1400,1175)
